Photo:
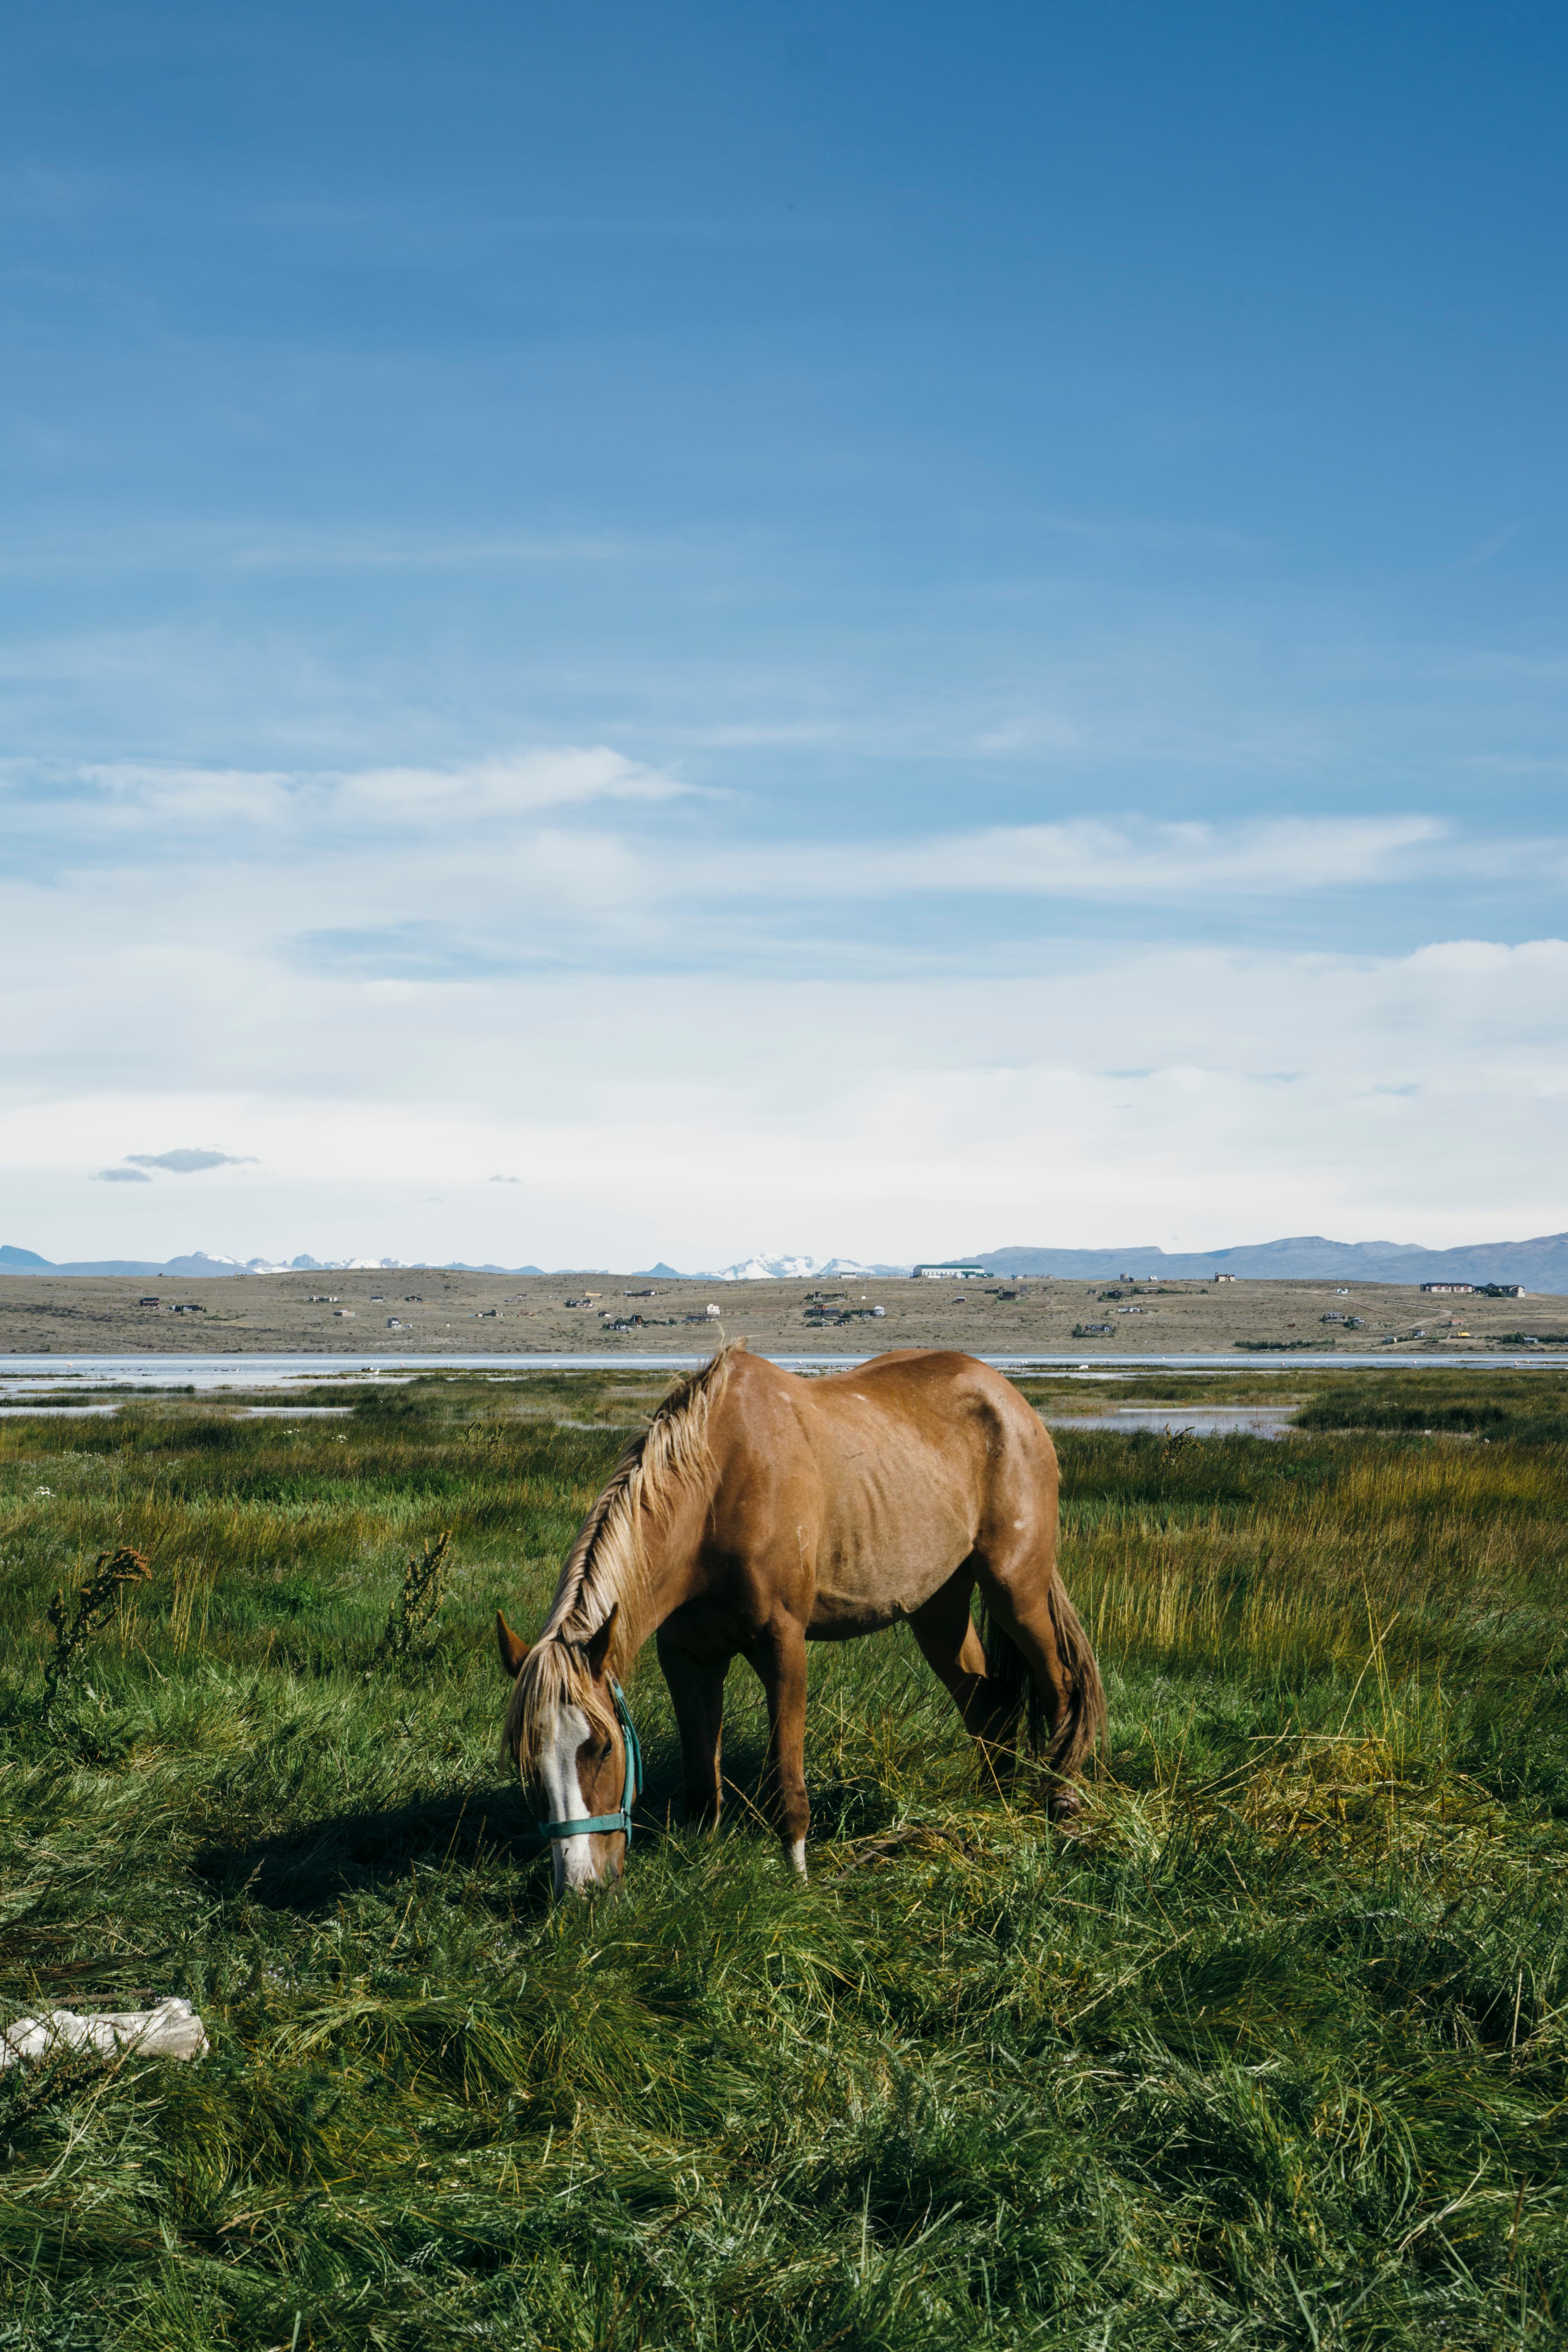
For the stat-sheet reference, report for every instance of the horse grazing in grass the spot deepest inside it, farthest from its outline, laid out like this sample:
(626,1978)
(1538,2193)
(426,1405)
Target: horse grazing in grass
(758,1512)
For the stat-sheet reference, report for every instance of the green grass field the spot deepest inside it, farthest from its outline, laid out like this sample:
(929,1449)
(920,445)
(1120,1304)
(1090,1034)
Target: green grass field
(1272,2054)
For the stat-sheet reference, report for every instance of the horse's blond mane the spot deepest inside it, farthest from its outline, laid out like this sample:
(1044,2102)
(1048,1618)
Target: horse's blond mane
(606,1567)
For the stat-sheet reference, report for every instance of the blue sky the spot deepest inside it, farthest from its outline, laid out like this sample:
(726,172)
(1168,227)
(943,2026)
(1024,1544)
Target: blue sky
(834,628)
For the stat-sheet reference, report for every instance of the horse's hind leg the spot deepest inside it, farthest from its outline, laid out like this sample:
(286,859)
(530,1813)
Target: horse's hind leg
(697,1692)
(1018,1601)
(950,1645)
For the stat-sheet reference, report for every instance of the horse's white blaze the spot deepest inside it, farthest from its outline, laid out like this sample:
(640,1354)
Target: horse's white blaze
(573,1856)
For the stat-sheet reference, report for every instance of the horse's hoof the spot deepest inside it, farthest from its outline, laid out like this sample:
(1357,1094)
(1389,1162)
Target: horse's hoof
(1066,1805)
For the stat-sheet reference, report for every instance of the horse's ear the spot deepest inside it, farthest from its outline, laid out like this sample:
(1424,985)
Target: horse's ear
(596,1648)
(513,1649)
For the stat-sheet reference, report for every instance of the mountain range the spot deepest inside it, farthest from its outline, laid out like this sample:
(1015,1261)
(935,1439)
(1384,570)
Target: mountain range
(197,1263)
(1541,1265)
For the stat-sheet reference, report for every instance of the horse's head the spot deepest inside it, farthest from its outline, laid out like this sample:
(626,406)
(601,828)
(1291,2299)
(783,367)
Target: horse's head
(567,1729)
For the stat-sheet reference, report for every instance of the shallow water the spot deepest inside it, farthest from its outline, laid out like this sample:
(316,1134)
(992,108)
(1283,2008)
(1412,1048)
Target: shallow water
(214,1374)
(1214,1421)
(113,1404)
(1176,1420)
(49,1411)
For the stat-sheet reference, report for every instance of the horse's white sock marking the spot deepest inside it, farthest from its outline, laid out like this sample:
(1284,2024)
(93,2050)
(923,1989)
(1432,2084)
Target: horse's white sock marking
(797,1857)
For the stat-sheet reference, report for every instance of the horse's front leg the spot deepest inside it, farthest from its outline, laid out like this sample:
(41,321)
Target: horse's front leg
(778,1656)
(696,1683)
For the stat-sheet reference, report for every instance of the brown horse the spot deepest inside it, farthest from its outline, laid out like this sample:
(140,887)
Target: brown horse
(758,1512)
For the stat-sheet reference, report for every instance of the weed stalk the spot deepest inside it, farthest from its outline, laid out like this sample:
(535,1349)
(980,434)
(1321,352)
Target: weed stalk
(98,1604)
(414,1612)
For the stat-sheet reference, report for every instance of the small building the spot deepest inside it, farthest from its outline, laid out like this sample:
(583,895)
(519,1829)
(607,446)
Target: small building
(951,1272)
(1448,1289)
(1503,1290)
(146,1302)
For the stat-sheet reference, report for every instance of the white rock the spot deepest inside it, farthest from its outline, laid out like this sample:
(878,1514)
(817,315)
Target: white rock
(172,2030)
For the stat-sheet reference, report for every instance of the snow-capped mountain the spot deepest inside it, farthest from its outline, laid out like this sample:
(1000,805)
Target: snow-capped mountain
(762,1268)
(197,1263)
(320,1265)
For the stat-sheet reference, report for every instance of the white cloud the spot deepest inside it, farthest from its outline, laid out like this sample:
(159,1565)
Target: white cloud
(520,785)
(189,1161)
(1229,1096)
(315,807)
(499,974)
(1087,860)
(521,856)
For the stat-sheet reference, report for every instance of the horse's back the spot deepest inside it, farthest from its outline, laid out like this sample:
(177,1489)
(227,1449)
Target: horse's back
(880,1480)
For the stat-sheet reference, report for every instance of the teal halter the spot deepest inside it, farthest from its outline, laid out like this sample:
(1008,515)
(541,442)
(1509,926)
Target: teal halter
(604,1823)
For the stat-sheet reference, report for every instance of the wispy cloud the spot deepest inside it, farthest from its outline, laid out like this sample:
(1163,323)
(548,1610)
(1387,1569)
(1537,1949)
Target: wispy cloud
(509,787)
(1088,860)
(413,833)
(119,1176)
(188,1161)
(175,807)
(585,859)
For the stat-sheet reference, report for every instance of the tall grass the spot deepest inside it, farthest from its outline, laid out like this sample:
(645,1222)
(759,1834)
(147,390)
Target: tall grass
(1532,1407)
(1270,2055)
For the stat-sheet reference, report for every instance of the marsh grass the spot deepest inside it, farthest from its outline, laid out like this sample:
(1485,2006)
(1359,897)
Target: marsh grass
(1528,1407)
(1270,2055)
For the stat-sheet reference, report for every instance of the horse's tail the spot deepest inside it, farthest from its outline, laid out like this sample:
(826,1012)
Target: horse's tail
(1020,1705)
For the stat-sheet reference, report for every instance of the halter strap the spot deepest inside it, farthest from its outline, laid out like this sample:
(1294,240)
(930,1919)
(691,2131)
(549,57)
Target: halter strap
(605,1824)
